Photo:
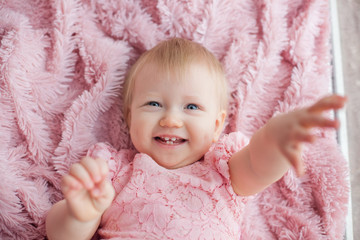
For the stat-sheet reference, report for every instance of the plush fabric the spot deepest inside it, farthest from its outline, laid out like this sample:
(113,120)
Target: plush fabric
(62,66)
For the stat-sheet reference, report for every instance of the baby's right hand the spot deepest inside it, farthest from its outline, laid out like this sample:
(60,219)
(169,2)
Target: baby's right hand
(87,191)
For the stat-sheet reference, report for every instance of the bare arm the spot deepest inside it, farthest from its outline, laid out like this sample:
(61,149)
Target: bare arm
(87,195)
(278,146)
(60,224)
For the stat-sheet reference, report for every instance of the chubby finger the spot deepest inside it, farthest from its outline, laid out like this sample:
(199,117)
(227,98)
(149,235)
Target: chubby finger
(104,195)
(69,184)
(317,120)
(102,189)
(92,167)
(293,154)
(304,135)
(300,169)
(328,103)
(103,167)
(79,172)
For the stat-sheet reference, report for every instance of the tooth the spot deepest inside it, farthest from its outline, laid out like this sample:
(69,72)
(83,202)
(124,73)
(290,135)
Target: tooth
(173,139)
(169,142)
(166,138)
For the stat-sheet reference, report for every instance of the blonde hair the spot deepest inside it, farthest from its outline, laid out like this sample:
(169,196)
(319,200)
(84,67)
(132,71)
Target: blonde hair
(174,56)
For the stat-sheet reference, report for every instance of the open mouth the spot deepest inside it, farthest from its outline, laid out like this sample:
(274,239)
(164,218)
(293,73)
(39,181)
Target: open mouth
(170,140)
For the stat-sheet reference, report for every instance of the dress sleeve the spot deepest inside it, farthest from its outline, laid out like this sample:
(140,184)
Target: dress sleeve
(221,152)
(106,152)
(224,149)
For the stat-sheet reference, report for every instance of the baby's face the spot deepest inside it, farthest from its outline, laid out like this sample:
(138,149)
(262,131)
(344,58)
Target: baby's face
(175,121)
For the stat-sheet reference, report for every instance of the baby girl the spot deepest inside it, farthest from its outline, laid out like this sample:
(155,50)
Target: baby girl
(183,181)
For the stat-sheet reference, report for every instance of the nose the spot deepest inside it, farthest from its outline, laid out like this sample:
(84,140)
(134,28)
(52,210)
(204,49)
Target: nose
(170,120)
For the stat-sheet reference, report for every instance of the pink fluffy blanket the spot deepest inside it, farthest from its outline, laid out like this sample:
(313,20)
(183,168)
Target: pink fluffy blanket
(62,68)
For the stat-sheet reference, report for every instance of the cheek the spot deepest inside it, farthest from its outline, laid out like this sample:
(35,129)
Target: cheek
(210,132)
(137,132)
(141,129)
(204,131)
(134,135)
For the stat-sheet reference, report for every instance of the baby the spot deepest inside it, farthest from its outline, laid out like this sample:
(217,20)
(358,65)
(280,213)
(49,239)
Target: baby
(182,182)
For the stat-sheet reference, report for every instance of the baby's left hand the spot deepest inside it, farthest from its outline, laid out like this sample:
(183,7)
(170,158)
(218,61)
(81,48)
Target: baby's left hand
(289,131)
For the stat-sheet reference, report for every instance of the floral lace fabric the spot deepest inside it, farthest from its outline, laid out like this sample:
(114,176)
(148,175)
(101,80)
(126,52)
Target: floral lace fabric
(152,202)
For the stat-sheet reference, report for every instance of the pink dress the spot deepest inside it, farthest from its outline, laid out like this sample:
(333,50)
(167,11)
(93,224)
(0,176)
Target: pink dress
(152,202)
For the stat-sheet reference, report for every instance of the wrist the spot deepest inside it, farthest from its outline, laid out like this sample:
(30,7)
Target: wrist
(83,216)
(266,157)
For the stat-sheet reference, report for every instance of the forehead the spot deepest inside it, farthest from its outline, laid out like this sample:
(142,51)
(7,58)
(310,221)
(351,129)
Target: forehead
(190,74)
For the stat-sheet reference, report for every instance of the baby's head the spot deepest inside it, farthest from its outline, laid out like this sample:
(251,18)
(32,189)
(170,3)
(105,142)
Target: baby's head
(173,58)
(175,101)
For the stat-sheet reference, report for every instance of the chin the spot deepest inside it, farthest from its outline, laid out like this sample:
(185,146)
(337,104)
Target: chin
(170,164)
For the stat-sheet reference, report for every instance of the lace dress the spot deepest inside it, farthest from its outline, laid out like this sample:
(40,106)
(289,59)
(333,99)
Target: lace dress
(152,202)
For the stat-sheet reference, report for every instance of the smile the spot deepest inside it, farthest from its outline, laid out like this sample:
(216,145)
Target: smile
(170,140)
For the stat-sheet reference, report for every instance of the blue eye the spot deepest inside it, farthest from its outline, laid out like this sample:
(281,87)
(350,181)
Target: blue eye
(192,107)
(154,104)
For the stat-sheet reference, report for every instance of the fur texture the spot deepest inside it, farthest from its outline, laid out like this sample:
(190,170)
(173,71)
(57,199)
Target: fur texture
(62,68)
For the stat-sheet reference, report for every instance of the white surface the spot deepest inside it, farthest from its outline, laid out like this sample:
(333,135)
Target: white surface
(339,88)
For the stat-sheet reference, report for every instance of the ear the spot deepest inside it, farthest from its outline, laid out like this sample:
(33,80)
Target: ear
(219,124)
